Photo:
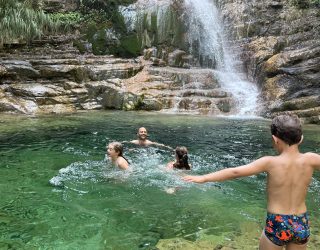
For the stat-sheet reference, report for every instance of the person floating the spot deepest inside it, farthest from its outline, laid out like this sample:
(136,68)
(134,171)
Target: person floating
(288,177)
(115,154)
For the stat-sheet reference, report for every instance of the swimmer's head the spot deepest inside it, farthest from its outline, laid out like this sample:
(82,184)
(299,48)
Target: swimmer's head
(182,158)
(115,149)
(142,133)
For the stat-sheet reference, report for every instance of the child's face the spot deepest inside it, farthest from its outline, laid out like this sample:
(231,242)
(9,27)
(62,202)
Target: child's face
(111,151)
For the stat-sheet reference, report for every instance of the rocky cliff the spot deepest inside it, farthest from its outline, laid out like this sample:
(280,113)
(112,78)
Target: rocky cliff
(281,51)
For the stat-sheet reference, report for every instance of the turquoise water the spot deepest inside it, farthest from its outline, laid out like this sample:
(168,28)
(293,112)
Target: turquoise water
(59,192)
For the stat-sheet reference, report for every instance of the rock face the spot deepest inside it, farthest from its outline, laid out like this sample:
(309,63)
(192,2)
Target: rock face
(280,48)
(58,79)
(281,51)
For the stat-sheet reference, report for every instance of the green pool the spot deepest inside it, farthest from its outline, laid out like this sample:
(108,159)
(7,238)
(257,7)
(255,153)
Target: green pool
(59,192)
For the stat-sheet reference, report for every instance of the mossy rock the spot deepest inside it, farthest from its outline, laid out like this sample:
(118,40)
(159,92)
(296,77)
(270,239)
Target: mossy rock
(130,46)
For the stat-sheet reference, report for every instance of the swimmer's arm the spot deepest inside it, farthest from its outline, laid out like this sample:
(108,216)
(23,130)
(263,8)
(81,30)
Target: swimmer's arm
(169,165)
(126,142)
(252,168)
(161,145)
(123,164)
(133,141)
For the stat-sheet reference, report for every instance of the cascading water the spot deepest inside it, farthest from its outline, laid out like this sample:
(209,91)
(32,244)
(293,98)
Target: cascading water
(194,25)
(206,35)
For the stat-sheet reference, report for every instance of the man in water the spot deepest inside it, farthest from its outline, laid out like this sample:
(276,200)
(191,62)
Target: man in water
(143,141)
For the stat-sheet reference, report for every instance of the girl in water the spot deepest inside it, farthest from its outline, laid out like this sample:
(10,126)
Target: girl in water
(181,159)
(115,154)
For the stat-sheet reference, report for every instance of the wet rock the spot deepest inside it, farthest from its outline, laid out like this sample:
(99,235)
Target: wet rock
(3,70)
(19,69)
(57,109)
(112,98)
(35,90)
(280,43)
(175,58)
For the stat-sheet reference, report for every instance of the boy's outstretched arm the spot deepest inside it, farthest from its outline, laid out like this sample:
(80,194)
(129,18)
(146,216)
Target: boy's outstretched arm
(256,167)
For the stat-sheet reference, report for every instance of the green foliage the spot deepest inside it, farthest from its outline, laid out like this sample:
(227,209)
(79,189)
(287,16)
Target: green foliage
(104,27)
(316,2)
(303,4)
(129,46)
(19,21)
(105,11)
(68,20)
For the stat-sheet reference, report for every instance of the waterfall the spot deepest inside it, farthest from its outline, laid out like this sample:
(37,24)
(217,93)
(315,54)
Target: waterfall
(207,40)
(195,25)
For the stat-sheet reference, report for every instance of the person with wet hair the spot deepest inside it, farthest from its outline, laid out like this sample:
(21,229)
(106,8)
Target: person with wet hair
(288,176)
(181,162)
(115,154)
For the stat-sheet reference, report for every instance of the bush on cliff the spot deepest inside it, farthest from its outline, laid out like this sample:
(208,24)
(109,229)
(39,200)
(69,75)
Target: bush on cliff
(22,21)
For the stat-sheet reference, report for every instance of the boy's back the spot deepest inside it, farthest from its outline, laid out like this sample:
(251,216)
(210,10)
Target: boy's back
(289,176)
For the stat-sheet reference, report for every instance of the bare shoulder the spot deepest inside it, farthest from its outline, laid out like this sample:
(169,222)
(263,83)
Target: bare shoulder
(313,159)
(149,142)
(122,163)
(135,141)
(265,163)
(170,165)
(268,160)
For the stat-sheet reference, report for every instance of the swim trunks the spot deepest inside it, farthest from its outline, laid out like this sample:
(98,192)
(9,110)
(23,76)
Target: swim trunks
(283,229)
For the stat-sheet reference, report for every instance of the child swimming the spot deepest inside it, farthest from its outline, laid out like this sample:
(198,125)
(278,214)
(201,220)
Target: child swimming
(115,154)
(181,162)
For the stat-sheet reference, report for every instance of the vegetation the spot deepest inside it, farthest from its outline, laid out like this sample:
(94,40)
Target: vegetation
(68,20)
(305,3)
(106,30)
(23,20)
(99,21)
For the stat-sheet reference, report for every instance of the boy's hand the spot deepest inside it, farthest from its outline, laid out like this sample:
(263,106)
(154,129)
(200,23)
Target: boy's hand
(192,178)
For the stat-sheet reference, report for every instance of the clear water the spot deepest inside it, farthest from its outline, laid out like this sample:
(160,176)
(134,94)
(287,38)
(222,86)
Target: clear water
(58,192)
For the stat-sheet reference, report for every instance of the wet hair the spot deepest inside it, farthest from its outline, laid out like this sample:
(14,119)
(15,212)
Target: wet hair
(182,154)
(118,147)
(288,128)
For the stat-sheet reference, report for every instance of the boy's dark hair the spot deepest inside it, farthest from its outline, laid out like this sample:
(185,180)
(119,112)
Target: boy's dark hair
(288,128)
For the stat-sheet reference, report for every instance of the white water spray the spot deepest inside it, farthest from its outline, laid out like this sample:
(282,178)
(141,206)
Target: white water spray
(206,37)
(206,34)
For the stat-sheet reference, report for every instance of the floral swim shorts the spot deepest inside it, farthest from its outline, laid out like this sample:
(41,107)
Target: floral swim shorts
(283,229)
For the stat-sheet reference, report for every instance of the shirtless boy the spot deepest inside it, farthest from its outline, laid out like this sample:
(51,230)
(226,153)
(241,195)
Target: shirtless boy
(288,177)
